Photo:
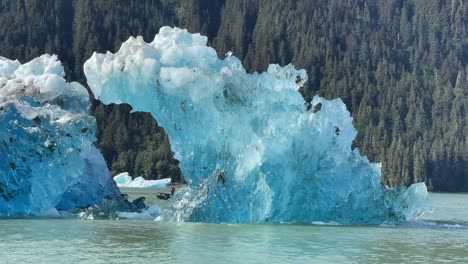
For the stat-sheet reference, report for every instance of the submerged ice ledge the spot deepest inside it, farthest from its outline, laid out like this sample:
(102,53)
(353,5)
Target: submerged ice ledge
(125,180)
(248,147)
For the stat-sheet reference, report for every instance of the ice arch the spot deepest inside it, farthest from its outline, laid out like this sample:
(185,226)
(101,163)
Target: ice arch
(248,147)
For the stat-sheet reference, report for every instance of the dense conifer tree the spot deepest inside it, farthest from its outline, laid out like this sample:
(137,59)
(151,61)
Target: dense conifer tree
(401,67)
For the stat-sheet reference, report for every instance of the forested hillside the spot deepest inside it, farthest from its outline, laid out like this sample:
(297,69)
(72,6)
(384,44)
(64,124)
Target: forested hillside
(400,66)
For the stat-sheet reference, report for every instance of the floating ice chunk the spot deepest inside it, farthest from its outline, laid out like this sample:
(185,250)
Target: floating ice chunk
(122,179)
(125,180)
(47,158)
(154,210)
(249,148)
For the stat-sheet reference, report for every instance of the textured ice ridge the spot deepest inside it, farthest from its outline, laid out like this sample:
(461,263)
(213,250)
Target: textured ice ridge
(47,157)
(249,147)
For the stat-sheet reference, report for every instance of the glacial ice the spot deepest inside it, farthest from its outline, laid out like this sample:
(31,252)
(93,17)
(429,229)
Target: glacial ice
(125,180)
(122,179)
(249,146)
(47,158)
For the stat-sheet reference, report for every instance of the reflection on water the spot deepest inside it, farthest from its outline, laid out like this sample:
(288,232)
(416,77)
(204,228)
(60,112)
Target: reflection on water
(143,241)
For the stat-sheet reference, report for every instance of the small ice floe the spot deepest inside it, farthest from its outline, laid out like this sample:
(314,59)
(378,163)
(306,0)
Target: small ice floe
(125,180)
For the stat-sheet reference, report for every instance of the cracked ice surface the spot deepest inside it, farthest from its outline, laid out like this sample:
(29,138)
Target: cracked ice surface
(47,157)
(248,147)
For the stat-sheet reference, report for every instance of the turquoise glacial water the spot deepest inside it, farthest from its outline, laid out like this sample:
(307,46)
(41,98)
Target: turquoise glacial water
(442,237)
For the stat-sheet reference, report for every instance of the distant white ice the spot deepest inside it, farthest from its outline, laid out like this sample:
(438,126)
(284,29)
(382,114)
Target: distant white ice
(250,147)
(125,180)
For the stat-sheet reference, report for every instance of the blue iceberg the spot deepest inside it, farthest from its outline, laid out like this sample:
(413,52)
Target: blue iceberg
(250,147)
(47,157)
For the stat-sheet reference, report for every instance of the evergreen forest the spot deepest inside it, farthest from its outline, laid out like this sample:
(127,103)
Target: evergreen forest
(400,66)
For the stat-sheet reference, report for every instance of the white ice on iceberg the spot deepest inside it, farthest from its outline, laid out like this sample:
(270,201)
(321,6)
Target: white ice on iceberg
(47,157)
(250,148)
